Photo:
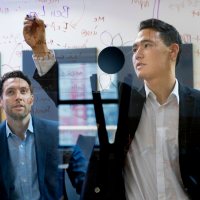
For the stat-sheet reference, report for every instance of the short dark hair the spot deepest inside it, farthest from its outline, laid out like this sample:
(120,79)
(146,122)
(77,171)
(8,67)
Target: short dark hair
(168,33)
(14,74)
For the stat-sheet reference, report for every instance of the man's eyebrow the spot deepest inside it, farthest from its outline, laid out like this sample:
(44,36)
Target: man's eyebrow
(15,88)
(142,41)
(25,88)
(8,88)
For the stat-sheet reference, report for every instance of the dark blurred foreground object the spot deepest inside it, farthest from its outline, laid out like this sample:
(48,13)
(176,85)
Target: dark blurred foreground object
(111,60)
(104,179)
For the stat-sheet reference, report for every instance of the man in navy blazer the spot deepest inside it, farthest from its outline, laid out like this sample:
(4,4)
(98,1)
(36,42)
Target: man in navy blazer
(29,148)
(156,153)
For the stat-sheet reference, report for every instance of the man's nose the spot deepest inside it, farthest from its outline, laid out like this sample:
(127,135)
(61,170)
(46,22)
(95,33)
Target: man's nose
(139,53)
(18,95)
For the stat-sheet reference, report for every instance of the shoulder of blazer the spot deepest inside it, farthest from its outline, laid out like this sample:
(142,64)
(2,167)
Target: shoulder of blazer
(2,132)
(44,130)
(189,139)
(49,124)
(5,180)
(189,104)
(187,92)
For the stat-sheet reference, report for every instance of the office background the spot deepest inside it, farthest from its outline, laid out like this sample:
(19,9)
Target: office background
(80,24)
(77,24)
(94,23)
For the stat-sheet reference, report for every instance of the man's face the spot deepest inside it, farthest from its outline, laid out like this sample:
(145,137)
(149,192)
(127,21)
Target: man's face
(16,98)
(151,57)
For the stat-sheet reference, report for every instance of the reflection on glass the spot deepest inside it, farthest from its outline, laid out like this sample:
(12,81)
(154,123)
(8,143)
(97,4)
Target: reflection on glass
(74,80)
(75,120)
(79,119)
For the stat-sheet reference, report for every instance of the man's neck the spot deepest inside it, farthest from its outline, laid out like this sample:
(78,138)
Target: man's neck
(161,88)
(19,127)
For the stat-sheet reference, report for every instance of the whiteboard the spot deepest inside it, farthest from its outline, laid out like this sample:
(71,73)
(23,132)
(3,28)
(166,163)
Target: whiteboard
(93,23)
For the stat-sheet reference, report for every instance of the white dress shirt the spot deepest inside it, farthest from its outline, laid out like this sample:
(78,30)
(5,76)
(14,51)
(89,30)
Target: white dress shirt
(152,164)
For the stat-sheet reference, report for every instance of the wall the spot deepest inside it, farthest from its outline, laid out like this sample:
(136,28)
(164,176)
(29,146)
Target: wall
(94,23)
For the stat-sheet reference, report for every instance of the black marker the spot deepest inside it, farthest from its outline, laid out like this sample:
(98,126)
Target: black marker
(30,17)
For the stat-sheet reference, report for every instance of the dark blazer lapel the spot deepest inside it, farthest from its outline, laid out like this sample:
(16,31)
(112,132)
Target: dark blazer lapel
(189,159)
(137,101)
(136,105)
(40,149)
(5,177)
(186,112)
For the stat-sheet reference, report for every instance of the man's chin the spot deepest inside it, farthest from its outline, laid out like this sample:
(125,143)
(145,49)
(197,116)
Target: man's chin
(18,116)
(140,76)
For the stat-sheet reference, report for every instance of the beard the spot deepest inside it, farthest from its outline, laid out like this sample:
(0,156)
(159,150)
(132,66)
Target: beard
(18,115)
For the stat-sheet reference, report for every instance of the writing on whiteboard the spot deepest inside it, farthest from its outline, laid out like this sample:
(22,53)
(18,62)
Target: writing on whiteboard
(141,3)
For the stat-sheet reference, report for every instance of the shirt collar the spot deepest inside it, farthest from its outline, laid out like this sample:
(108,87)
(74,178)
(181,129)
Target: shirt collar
(30,127)
(174,91)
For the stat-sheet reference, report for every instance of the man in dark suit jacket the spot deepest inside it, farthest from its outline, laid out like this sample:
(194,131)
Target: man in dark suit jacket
(29,148)
(156,153)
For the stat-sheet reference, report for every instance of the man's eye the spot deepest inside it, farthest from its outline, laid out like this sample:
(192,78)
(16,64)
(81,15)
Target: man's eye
(134,50)
(10,92)
(147,45)
(23,91)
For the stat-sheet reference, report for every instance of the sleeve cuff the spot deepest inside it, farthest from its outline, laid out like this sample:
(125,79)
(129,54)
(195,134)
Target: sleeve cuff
(44,63)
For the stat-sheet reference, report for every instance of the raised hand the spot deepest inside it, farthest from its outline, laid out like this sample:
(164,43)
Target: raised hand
(34,35)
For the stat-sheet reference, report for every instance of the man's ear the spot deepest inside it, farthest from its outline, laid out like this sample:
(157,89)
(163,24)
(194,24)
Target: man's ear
(174,49)
(32,99)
